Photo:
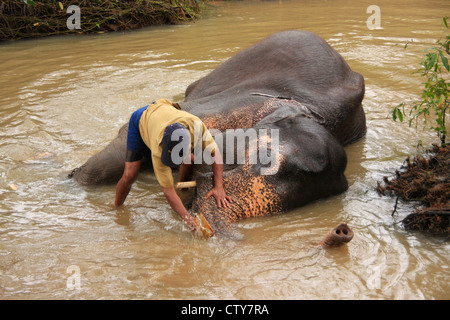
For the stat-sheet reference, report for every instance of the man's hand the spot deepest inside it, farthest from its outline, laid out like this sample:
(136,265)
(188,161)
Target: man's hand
(177,205)
(220,195)
(190,222)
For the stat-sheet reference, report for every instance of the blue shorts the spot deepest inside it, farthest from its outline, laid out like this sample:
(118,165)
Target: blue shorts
(134,139)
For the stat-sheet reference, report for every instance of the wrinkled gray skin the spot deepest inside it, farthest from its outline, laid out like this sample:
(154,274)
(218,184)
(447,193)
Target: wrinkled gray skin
(316,105)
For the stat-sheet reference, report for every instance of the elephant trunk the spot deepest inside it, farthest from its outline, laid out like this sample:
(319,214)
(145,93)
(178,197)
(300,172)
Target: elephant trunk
(251,196)
(337,236)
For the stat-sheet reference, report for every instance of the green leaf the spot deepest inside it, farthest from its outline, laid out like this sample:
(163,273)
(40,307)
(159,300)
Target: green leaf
(435,96)
(394,114)
(431,60)
(400,115)
(397,113)
(444,61)
(61,5)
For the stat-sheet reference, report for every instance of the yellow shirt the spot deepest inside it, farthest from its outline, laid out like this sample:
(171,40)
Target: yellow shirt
(154,121)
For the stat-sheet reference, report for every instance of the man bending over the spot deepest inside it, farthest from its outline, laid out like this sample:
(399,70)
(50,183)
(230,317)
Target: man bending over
(156,130)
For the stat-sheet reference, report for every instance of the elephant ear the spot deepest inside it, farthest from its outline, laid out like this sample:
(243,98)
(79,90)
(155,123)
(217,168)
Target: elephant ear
(288,109)
(305,145)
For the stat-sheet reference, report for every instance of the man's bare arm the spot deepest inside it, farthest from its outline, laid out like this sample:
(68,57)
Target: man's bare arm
(129,176)
(177,205)
(218,192)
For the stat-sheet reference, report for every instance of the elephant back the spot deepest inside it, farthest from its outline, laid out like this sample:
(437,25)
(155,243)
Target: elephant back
(295,64)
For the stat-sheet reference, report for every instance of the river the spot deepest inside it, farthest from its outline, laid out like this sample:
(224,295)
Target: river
(64,98)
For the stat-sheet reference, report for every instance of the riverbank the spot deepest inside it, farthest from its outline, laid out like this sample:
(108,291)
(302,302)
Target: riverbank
(425,180)
(21,19)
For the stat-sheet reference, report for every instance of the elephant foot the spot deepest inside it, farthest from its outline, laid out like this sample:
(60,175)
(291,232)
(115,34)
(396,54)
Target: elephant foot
(338,236)
(72,173)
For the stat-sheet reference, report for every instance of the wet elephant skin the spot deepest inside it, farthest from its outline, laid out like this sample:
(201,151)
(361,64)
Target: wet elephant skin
(291,81)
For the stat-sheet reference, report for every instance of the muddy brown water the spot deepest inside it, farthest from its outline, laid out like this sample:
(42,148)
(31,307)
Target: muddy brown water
(68,96)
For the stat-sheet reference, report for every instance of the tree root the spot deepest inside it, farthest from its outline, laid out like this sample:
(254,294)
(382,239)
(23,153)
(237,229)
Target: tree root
(434,221)
(427,180)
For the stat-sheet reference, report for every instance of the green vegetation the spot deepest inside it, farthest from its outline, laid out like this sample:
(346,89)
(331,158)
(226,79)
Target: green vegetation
(27,18)
(435,98)
(426,179)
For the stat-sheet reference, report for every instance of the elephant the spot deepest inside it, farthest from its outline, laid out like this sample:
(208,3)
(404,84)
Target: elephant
(291,88)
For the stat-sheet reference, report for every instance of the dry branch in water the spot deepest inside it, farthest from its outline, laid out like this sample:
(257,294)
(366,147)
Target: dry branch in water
(426,180)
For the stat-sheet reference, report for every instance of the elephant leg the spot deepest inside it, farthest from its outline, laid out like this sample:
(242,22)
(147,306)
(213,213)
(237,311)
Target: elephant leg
(107,165)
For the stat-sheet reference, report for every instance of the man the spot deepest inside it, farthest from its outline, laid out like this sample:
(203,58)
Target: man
(154,132)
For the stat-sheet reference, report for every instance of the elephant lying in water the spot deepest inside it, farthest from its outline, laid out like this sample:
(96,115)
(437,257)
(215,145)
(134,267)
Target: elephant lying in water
(291,84)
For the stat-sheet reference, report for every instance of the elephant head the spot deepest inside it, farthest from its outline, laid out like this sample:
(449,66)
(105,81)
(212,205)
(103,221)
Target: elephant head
(289,160)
